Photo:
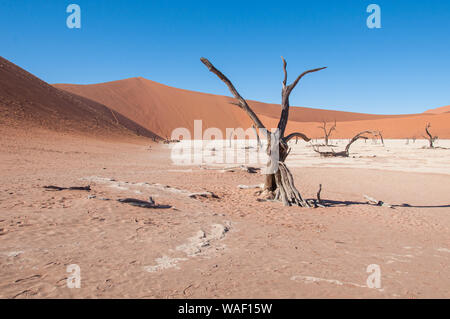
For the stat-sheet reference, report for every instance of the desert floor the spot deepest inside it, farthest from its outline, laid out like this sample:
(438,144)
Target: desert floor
(229,247)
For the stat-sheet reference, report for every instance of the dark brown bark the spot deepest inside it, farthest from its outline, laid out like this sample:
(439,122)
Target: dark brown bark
(296,135)
(241,102)
(285,93)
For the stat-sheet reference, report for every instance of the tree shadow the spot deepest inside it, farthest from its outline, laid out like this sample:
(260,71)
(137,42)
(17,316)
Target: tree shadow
(420,206)
(337,203)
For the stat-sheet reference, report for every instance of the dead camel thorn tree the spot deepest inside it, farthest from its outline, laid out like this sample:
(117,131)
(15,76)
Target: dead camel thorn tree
(430,137)
(327,133)
(279,183)
(346,153)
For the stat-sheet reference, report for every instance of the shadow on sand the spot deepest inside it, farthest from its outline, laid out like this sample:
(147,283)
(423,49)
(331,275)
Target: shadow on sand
(336,203)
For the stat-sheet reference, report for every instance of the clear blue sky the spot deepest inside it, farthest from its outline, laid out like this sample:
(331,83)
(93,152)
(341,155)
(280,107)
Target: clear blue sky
(401,68)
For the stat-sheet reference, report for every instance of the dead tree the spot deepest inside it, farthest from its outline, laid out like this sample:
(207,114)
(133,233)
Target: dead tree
(115,117)
(430,137)
(380,136)
(327,133)
(346,152)
(279,182)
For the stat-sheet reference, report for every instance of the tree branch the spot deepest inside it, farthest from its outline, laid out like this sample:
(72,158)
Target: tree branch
(285,72)
(345,153)
(333,128)
(286,91)
(296,134)
(242,103)
(357,137)
(294,84)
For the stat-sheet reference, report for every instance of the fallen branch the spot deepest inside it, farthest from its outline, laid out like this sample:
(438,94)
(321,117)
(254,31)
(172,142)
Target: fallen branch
(72,188)
(261,186)
(346,152)
(248,169)
(204,195)
(142,203)
(167,141)
(375,202)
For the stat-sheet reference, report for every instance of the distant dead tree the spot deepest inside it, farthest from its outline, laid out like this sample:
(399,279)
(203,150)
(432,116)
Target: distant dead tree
(346,153)
(115,117)
(380,135)
(279,185)
(258,141)
(169,141)
(327,133)
(430,137)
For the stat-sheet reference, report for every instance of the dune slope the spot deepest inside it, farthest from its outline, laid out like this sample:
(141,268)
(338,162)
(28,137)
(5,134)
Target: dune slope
(26,101)
(439,110)
(161,109)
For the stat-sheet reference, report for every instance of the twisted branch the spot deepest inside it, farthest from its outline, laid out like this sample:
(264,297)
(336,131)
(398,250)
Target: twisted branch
(296,134)
(241,102)
(285,93)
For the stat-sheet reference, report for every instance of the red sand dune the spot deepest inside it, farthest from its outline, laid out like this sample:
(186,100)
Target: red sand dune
(439,110)
(161,109)
(26,101)
(142,106)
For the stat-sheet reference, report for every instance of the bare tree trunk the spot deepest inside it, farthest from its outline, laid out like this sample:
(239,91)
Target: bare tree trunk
(326,133)
(430,137)
(381,137)
(279,184)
